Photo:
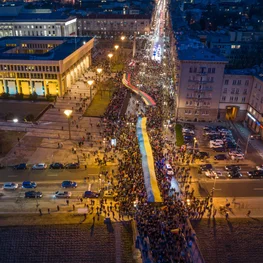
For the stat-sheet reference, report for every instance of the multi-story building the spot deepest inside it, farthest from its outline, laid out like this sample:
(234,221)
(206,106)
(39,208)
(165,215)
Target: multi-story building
(235,94)
(109,25)
(55,24)
(45,65)
(199,78)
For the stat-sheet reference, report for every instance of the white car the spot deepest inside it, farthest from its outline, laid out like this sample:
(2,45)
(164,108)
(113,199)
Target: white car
(39,166)
(217,141)
(188,131)
(213,174)
(10,186)
(63,194)
(234,153)
(216,145)
(109,193)
(239,157)
(169,169)
(259,167)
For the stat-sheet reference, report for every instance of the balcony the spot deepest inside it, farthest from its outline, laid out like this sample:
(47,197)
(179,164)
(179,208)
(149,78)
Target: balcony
(201,90)
(198,81)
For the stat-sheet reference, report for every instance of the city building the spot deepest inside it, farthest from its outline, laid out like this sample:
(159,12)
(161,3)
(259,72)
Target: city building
(45,65)
(199,81)
(55,24)
(109,25)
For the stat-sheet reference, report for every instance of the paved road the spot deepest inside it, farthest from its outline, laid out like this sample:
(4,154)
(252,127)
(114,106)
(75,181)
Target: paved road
(233,188)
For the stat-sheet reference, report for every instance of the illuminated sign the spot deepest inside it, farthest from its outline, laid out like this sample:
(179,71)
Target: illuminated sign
(251,117)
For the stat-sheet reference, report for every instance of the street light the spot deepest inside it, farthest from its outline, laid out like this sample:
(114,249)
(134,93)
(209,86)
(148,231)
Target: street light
(90,82)
(116,47)
(68,114)
(123,38)
(248,140)
(110,56)
(15,120)
(99,70)
(195,141)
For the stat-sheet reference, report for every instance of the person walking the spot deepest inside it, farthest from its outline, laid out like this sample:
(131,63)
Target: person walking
(40,212)
(227,215)
(248,213)
(214,213)
(48,210)
(58,208)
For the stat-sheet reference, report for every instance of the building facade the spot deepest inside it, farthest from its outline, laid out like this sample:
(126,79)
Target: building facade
(41,64)
(46,24)
(199,79)
(110,26)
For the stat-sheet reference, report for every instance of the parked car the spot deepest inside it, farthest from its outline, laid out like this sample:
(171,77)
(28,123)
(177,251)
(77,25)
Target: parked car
(232,167)
(213,174)
(206,167)
(56,166)
(219,149)
(234,174)
(255,174)
(39,166)
(109,194)
(90,194)
(69,184)
(220,157)
(29,184)
(202,155)
(33,194)
(72,166)
(259,167)
(61,194)
(21,166)
(168,168)
(239,157)
(10,186)
(216,145)
(233,153)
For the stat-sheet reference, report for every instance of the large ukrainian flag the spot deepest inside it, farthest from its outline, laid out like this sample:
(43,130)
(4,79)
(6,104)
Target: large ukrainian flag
(153,192)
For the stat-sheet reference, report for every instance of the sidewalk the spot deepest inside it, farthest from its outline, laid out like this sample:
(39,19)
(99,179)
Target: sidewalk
(240,207)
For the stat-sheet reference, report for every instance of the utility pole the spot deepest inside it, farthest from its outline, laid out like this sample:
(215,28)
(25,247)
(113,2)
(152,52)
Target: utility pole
(134,45)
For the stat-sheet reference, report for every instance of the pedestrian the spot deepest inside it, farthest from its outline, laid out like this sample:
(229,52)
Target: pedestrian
(40,211)
(214,213)
(81,199)
(67,201)
(48,210)
(227,215)
(73,206)
(248,213)
(58,208)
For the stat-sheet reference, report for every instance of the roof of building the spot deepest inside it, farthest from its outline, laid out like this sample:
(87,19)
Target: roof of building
(117,16)
(24,17)
(199,54)
(68,46)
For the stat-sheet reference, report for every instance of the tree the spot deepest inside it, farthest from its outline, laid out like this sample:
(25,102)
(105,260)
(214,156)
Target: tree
(5,95)
(33,96)
(29,117)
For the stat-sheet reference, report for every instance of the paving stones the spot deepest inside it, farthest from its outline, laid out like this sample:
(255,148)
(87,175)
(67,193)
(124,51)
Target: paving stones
(63,243)
(233,241)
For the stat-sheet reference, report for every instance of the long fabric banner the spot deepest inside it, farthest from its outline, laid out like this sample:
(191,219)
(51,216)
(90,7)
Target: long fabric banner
(145,97)
(153,192)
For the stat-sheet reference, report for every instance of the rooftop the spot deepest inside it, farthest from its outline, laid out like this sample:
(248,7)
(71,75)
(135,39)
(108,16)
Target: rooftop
(117,16)
(65,47)
(199,54)
(54,16)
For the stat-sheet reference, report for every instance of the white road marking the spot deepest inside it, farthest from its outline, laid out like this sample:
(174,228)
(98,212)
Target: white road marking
(258,189)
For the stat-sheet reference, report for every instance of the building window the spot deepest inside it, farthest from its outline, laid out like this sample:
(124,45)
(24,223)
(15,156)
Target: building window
(190,70)
(233,91)
(223,98)
(239,82)
(245,92)
(246,82)
(234,82)
(213,70)
(237,91)
(209,70)
(226,81)
(243,99)
(236,98)
(225,90)
(186,103)
(231,98)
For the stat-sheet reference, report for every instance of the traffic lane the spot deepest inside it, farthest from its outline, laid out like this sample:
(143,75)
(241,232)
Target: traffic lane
(234,187)
(8,174)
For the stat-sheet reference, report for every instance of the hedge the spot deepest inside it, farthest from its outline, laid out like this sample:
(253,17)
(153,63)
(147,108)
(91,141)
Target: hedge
(179,135)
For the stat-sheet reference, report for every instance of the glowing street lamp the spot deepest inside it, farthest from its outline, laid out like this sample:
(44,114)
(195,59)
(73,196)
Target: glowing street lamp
(90,82)
(110,56)
(99,70)
(15,120)
(116,47)
(68,114)
(123,38)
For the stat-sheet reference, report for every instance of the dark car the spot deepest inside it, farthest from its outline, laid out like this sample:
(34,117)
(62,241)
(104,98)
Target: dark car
(29,184)
(90,194)
(72,166)
(234,174)
(69,184)
(232,167)
(33,194)
(21,166)
(206,167)
(219,149)
(202,155)
(220,157)
(56,166)
(255,174)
